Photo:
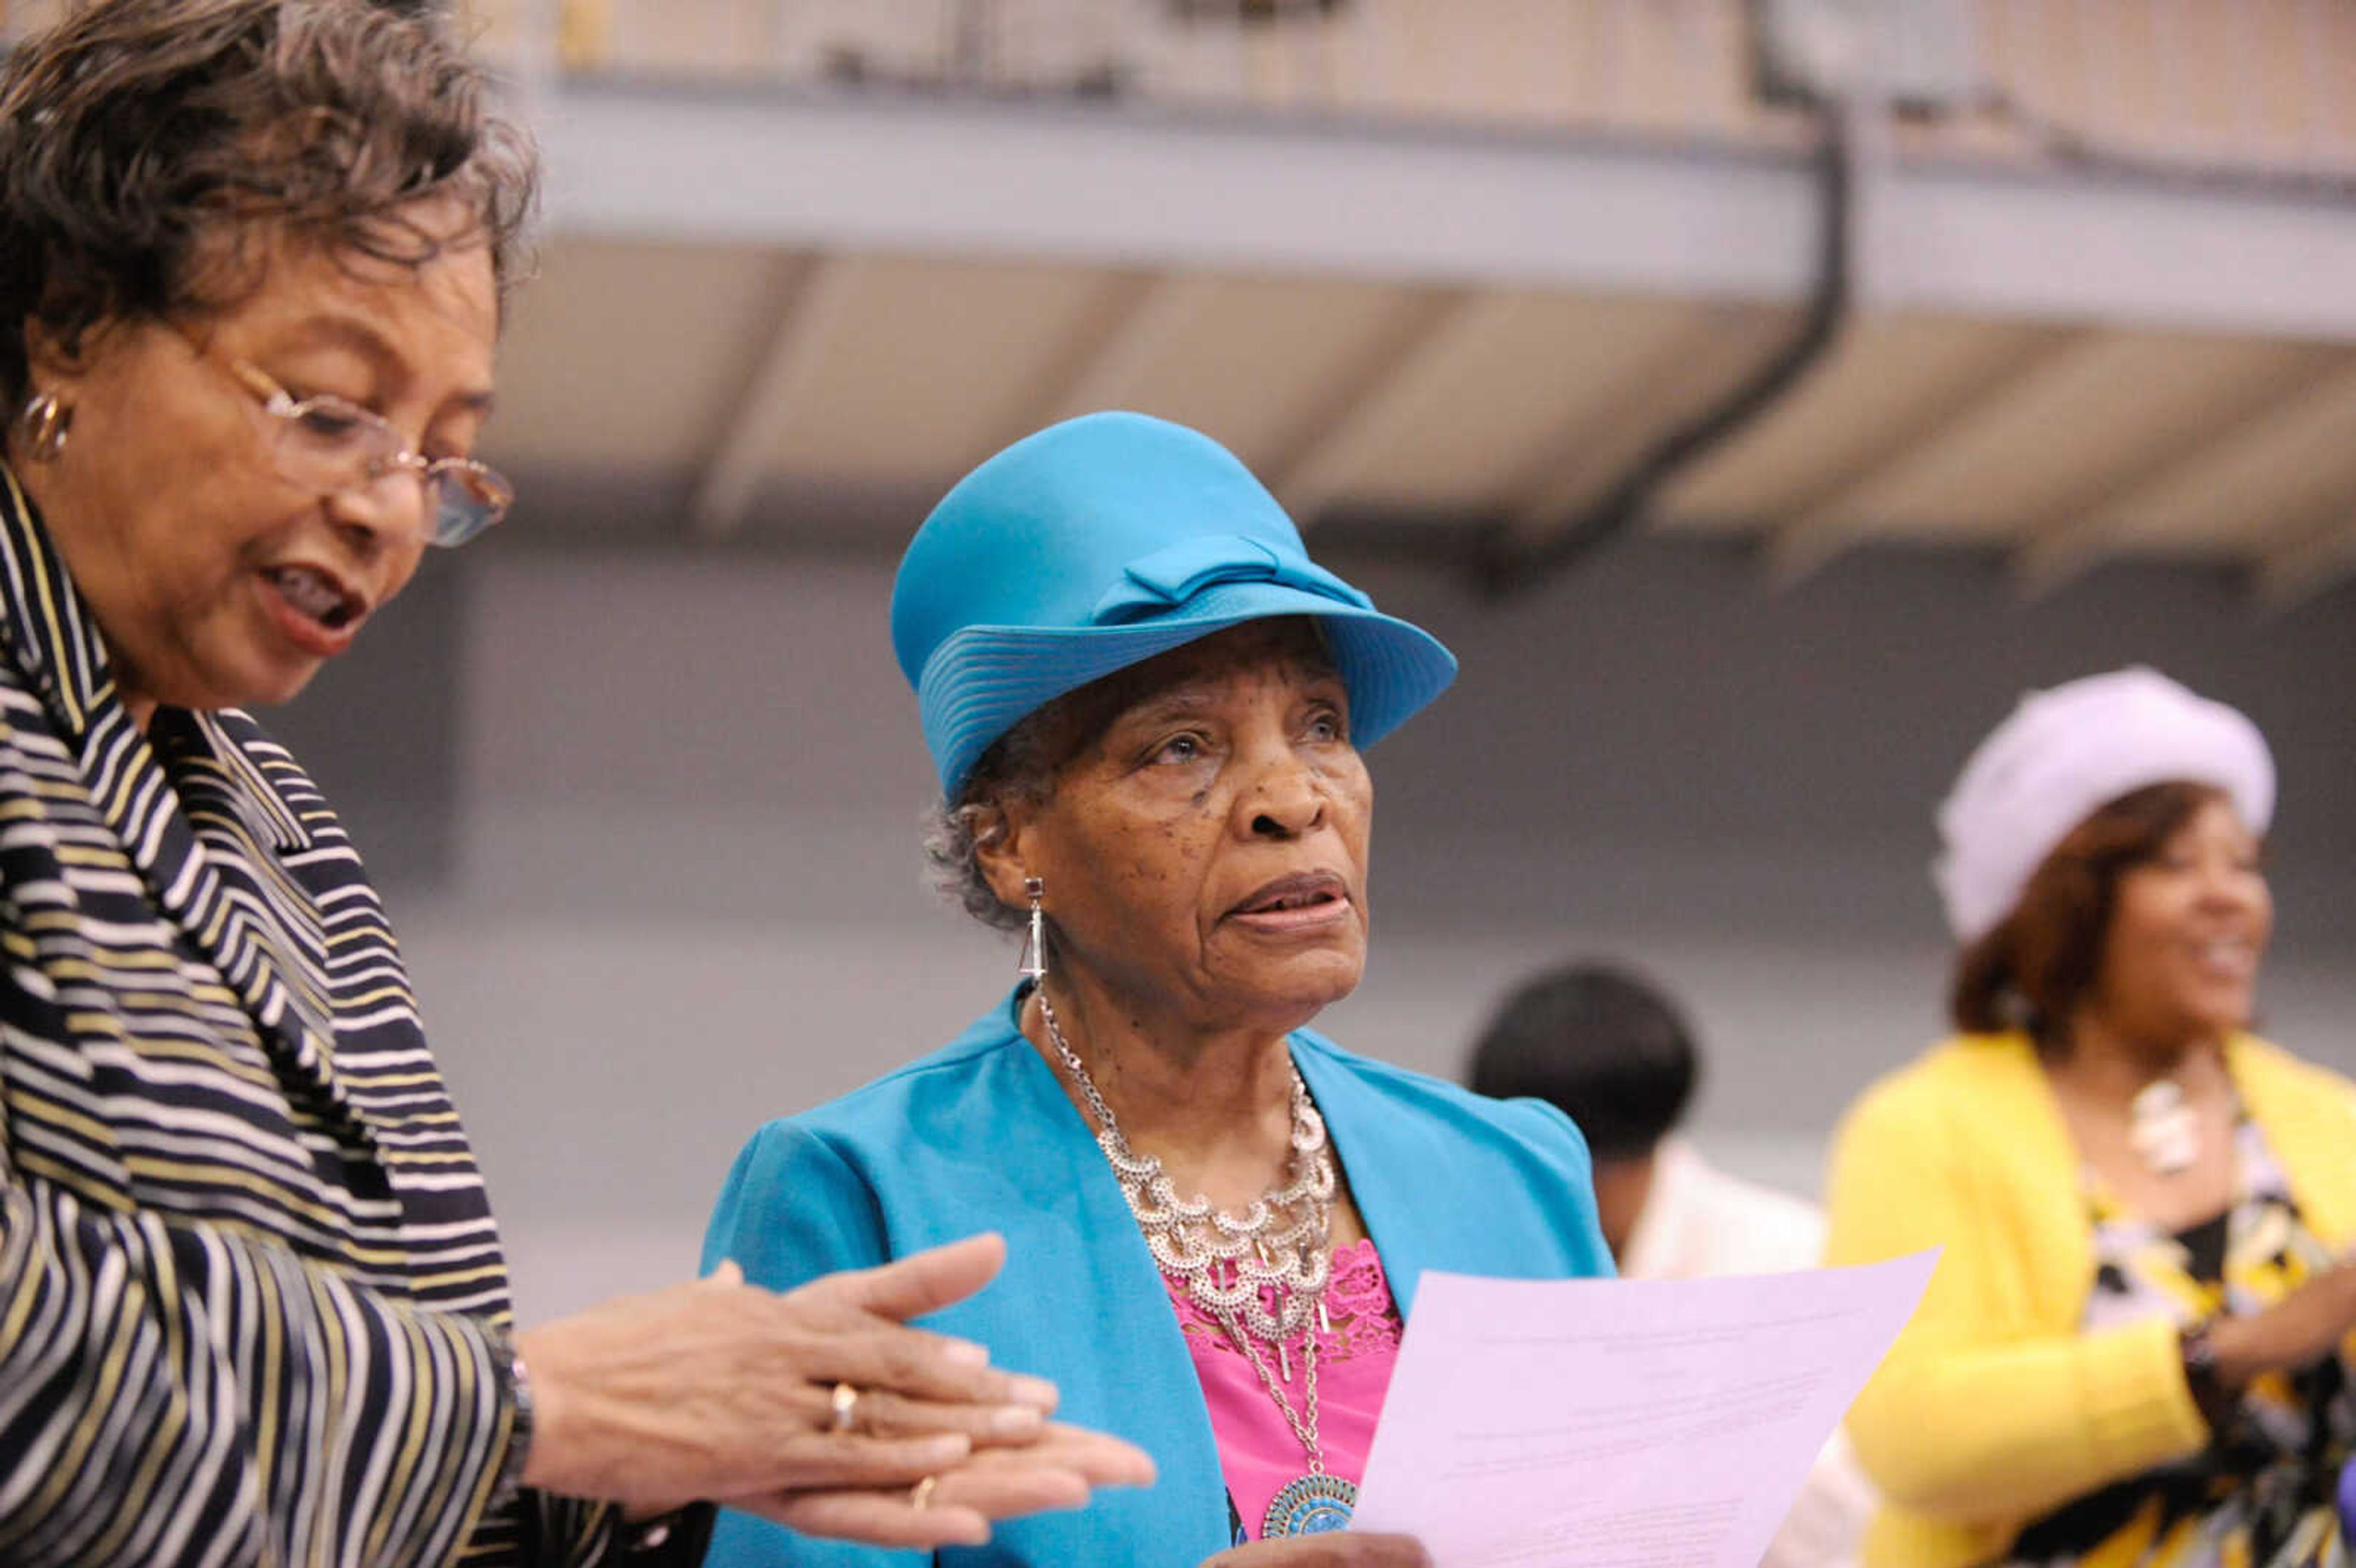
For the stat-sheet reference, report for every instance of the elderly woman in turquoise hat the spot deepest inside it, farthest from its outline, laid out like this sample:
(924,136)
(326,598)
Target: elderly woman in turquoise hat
(1147,707)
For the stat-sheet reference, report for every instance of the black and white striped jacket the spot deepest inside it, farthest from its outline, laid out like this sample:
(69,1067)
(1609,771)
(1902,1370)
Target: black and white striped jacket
(251,1298)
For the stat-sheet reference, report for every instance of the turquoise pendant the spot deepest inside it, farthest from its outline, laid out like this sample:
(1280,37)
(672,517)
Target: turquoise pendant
(1311,1505)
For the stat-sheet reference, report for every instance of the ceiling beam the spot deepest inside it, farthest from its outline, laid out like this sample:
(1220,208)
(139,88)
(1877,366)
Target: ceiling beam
(2282,433)
(2057,556)
(1353,428)
(1150,316)
(2295,573)
(1813,535)
(1696,362)
(1891,383)
(1093,185)
(1798,551)
(782,383)
(1339,195)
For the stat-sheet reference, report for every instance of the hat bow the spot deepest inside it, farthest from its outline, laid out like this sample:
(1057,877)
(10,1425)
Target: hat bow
(1153,583)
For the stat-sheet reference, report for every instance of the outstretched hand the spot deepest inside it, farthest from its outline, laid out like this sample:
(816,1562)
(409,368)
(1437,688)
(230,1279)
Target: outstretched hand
(723,1392)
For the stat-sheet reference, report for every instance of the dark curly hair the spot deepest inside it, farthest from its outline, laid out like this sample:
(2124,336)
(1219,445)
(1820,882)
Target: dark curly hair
(151,150)
(2035,970)
(1601,1044)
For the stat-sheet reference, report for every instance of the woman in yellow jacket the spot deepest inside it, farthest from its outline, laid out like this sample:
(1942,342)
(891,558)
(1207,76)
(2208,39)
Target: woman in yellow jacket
(2133,1350)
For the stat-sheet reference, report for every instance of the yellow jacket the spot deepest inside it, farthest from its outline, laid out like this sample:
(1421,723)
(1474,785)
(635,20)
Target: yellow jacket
(1993,1407)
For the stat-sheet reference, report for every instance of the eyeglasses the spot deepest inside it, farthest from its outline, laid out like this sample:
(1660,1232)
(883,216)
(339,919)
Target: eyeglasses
(332,446)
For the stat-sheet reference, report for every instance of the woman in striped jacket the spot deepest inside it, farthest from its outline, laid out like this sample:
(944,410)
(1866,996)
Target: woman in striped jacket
(252,1305)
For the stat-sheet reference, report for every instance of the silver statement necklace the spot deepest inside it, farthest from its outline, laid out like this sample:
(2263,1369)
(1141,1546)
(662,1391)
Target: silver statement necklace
(1233,1264)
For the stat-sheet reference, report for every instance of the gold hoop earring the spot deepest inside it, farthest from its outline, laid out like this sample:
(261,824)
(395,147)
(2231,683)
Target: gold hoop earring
(43,427)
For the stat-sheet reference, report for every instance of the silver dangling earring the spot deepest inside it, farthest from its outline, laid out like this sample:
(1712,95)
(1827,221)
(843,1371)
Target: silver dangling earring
(1033,966)
(43,427)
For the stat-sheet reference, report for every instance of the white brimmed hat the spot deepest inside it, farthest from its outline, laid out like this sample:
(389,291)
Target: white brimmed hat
(2064,754)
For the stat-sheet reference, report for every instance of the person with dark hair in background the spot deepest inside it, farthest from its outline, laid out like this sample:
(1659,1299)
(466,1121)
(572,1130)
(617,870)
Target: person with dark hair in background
(1612,1051)
(2134,1348)
(252,259)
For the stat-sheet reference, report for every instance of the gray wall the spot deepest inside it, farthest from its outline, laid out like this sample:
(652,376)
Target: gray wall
(646,824)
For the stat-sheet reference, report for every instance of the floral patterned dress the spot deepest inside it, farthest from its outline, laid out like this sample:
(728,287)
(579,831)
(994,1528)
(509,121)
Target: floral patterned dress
(1258,1452)
(2260,1495)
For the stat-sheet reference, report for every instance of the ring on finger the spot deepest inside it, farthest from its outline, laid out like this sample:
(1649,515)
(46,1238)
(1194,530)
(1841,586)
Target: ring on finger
(844,1403)
(920,1496)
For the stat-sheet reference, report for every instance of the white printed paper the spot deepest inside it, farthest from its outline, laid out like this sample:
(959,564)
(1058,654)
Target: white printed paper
(1621,1424)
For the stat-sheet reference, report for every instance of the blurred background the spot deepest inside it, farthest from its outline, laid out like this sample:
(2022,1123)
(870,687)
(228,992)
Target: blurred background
(1757,394)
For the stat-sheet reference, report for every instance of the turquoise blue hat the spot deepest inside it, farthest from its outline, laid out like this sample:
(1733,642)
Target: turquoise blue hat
(1097,544)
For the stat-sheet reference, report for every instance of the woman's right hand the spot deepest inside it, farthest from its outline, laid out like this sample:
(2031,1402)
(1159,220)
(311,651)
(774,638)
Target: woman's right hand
(1335,1549)
(2299,1331)
(720,1392)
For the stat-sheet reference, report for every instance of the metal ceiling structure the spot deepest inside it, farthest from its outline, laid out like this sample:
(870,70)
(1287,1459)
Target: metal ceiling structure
(1459,264)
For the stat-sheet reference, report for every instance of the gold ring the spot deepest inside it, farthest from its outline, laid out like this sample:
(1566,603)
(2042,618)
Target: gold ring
(845,1404)
(920,1496)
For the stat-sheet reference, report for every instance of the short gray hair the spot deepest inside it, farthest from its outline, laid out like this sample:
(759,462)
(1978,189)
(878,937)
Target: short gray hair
(1019,768)
(144,146)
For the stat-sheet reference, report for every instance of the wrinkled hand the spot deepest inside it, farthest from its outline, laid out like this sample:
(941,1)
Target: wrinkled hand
(720,1392)
(1335,1549)
(1058,1471)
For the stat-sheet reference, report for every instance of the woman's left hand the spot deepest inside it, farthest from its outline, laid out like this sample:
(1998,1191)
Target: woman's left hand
(1057,1470)
(723,1392)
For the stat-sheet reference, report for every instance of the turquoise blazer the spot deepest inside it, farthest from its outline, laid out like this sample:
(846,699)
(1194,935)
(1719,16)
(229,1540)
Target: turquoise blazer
(979,1136)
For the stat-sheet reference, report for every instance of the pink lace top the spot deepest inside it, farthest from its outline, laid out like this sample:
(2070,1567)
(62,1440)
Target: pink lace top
(1257,1451)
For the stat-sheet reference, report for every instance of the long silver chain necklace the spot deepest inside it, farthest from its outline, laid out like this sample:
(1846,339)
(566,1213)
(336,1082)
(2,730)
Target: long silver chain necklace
(1232,1266)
